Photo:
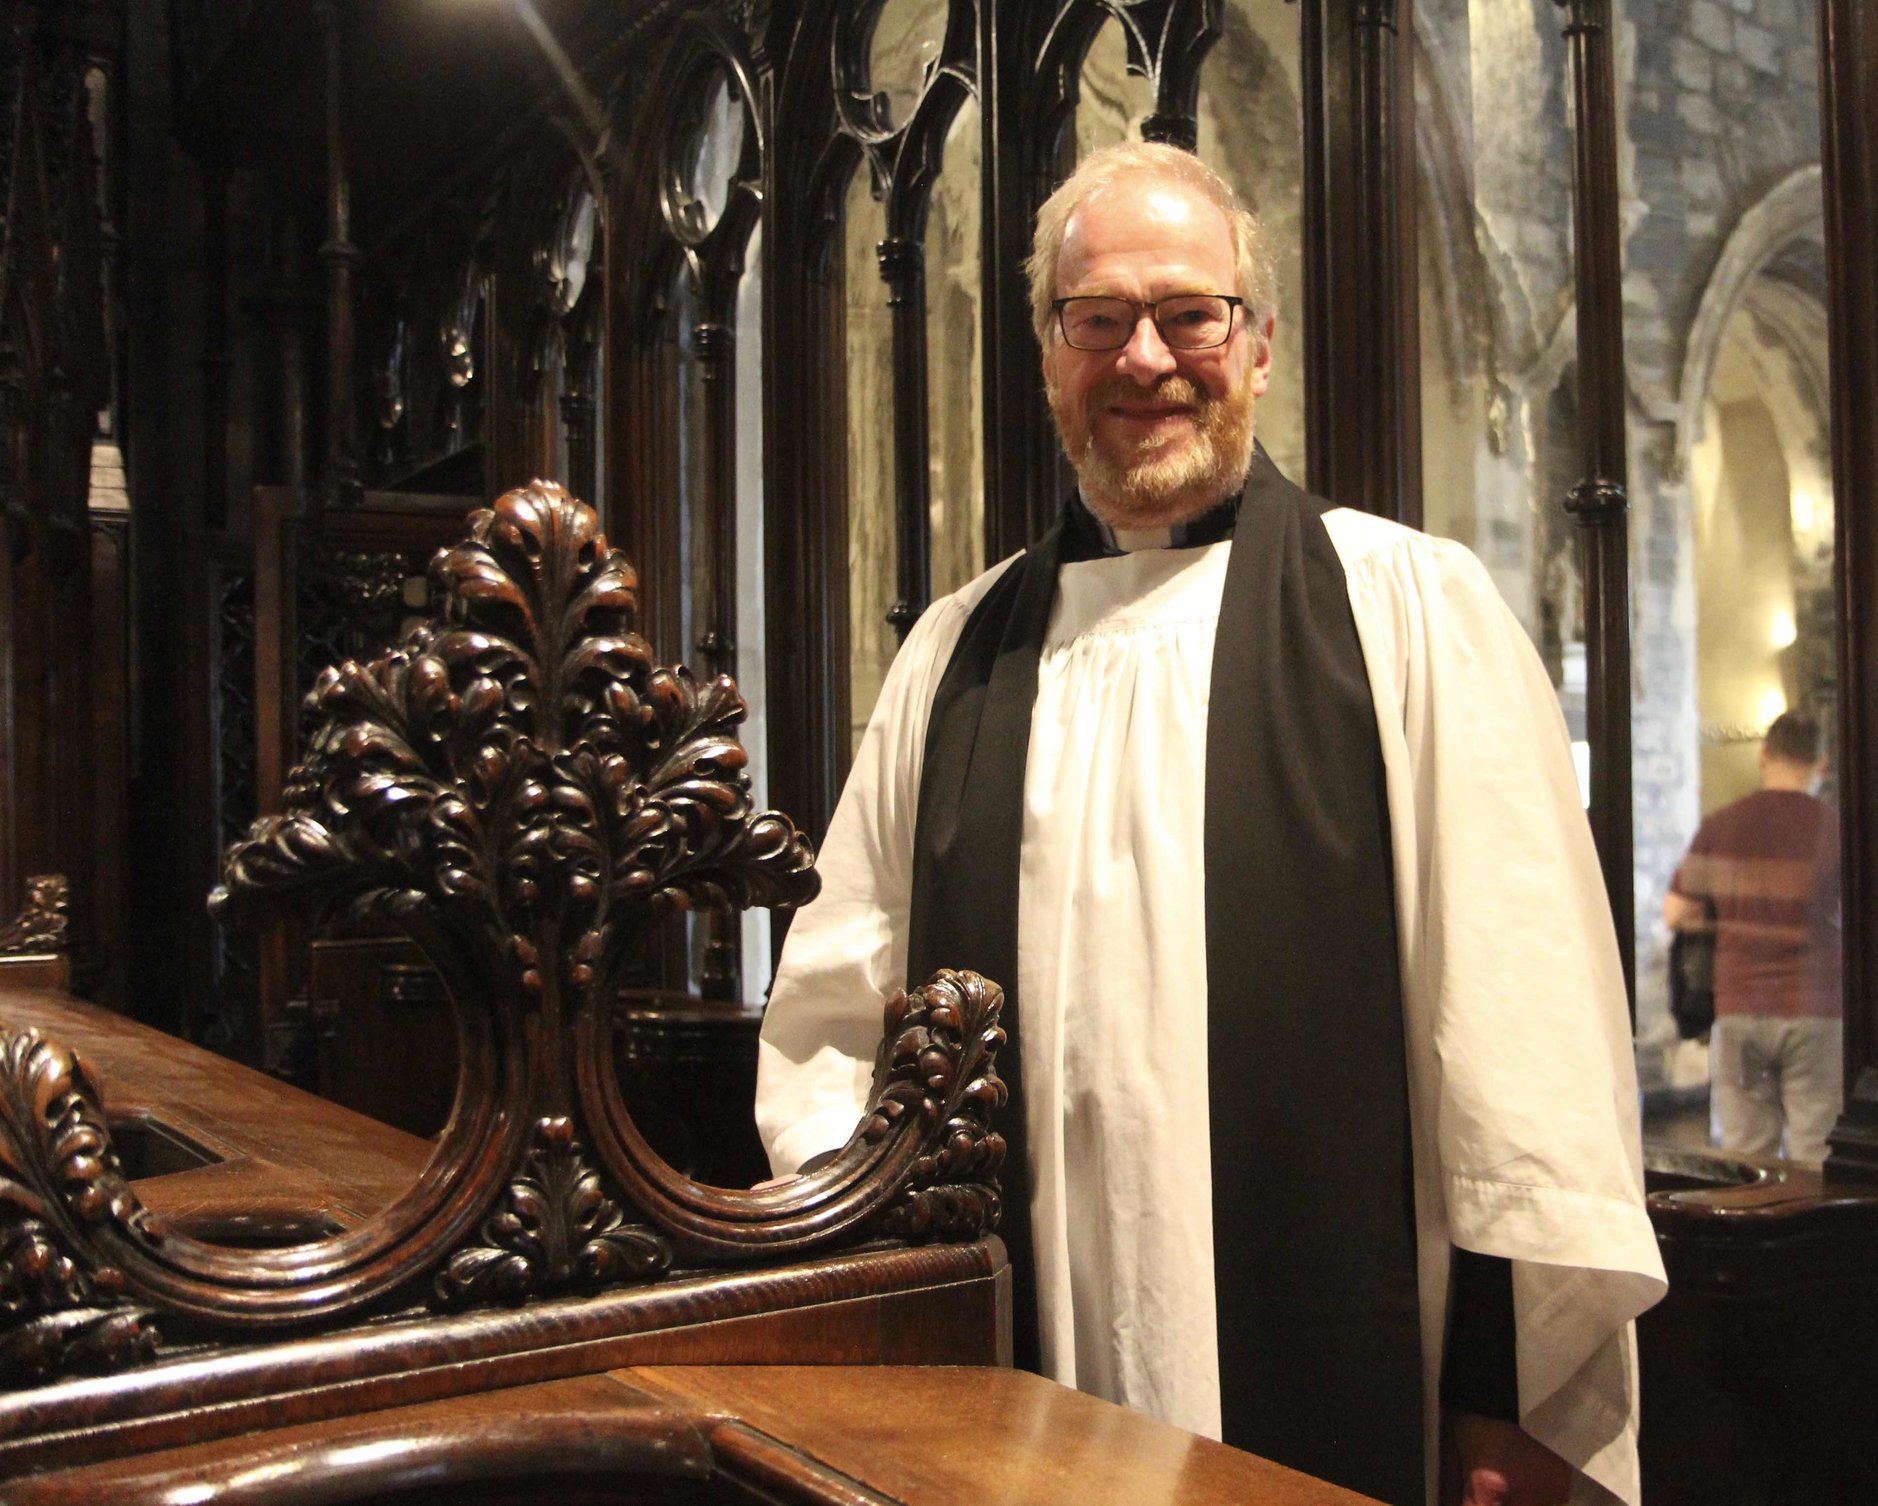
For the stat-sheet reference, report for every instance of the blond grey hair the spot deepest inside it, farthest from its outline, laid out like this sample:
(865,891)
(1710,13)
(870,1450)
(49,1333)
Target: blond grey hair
(1101,170)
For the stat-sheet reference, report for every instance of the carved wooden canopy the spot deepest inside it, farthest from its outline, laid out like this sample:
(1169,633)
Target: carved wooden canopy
(524,790)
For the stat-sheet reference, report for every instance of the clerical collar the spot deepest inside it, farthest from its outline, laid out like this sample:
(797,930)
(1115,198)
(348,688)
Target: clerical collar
(1099,540)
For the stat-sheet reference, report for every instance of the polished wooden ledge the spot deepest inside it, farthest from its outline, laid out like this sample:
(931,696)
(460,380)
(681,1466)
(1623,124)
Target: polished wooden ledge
(270,1163)
(832,1436)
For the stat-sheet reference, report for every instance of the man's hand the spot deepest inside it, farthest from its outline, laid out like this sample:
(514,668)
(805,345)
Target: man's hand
(1486,1462)
(1680,913)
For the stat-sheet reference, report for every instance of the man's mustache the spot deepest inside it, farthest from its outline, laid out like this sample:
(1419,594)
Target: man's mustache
(1171,388)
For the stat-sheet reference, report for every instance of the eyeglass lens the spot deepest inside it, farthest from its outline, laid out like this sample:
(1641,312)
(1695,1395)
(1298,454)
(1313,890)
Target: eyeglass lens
(1193,321)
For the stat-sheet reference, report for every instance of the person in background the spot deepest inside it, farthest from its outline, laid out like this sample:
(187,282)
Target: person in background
(1764,873)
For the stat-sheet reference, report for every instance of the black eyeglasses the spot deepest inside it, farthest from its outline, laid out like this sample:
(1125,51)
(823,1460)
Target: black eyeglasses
(1187,321)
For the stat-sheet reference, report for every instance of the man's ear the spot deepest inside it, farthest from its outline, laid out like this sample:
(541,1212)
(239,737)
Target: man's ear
(1261,372)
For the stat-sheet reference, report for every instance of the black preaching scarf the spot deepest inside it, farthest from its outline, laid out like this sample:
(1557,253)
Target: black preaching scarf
(1313,1200)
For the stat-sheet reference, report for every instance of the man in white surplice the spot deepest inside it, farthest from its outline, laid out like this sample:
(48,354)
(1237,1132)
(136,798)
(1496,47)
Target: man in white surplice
(1520,1076)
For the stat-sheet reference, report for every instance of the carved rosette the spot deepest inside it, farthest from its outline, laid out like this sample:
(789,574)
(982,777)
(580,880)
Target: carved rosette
(62,1308)
(939,1066)
(557,1227)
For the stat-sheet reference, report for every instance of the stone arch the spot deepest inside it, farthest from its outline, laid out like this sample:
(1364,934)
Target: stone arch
(1793,210)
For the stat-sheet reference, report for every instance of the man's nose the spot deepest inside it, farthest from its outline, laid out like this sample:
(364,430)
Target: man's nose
(1146,357)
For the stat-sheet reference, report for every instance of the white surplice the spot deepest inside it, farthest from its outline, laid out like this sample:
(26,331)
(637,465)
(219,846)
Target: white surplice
(1522,1081)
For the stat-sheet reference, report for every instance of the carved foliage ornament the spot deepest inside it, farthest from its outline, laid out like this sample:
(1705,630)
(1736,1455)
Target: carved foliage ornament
(523,764)
(59,1178)
(523,790)
(41,926)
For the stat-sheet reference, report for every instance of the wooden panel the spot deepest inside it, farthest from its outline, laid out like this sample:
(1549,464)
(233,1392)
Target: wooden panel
(885,1307)
(384,1035)
(1760,1368)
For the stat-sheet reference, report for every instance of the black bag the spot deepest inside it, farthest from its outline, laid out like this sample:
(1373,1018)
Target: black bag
(1692,982)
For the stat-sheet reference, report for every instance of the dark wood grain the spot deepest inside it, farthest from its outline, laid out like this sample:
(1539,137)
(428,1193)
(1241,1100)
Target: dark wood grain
(1015,1437)
(54,378)
(280,1138)
(593,1428)
(339,256)
(1760,1367)
(883,1307)
(835,1436)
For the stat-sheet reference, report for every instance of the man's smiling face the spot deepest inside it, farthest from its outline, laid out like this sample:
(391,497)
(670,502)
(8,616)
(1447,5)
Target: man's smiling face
(1156,435)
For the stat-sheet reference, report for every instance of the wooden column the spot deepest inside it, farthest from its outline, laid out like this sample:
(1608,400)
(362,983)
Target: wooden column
(903,267)
(1015,161)
(1361,348)
(578,408)
(1600,502)
(340,257)
(215,357)
(805,514)
(714,521)
(1849,97)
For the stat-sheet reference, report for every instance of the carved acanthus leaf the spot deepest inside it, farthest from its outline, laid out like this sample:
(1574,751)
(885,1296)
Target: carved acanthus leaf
(60,1180)
(557,1226)
(941,1067)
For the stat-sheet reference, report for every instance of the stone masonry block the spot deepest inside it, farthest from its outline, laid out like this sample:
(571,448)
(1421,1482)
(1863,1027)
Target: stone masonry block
(1701,179)
(1757,47)
(1712,26)
(1697,112)
(1694,65)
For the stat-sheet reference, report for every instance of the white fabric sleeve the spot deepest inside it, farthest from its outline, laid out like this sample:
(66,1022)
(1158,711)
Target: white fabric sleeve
(1520,1040)
(846,951)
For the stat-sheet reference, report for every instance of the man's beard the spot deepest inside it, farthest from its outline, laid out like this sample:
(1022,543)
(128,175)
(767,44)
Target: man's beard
(1164,481)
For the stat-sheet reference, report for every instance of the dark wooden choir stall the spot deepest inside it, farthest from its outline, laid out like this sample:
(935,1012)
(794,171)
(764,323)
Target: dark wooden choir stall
(217,1287)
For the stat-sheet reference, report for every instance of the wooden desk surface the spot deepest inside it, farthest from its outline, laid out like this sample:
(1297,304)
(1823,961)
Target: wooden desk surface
(816,1435)
(283,1154)
(945,1435)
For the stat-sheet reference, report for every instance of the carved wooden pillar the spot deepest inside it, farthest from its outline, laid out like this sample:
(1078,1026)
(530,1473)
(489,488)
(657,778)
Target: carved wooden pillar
(1014,178)
(215,358)
(1600,502)
(340,257)
(903,266)
(1849,74)
(805,515)
(714,523)
(577,404)
(1361,347)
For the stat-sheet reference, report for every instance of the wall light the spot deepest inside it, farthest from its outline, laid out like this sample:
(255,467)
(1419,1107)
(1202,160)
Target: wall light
(1781,629)
(1773,702)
